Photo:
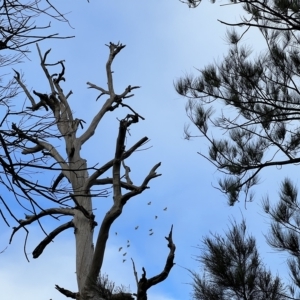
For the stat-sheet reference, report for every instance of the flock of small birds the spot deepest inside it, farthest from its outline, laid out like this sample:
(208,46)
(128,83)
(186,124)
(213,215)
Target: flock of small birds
(136,227)
(124,254)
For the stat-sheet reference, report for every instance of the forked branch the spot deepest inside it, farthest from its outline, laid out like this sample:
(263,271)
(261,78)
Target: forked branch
(145,284)
(135,191)
(92,179)
(119,200)
(113,98)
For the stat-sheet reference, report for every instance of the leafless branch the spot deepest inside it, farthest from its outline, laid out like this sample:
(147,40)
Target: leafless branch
(123,184)
(47,212)
(135,273)
(119,200)
(67,293)
(18,28)
(107,106)
(42,245)
(144,283)
(91,180)
(152,174)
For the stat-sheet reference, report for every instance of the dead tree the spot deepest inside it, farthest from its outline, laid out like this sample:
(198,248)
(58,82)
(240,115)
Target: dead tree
(29,148)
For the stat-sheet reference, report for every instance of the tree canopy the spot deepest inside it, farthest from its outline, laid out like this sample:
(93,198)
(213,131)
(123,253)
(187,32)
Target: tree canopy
(247,107)
(231,269)
(262,129)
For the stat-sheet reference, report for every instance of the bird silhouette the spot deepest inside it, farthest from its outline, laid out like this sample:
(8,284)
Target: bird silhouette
(124,253)
(128,245)
(149,203)
(124,260)
(120,249)
(136,227)
(116,233)
(165,208)
(156,217)
(151,233)
(150,229)
(127,241)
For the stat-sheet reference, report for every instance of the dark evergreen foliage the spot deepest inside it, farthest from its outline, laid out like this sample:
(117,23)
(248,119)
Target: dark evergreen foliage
(233,269)
(257,101)
(284,234)
(254,102)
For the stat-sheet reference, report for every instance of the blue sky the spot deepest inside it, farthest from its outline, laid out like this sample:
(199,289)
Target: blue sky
(165,40)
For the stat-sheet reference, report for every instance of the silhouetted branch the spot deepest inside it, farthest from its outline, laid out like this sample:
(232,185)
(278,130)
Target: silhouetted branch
(18,28)
(67,293)
(91,181)
(58,179)
(42,245)
(47,212)
(152,174)
(144,283)
(135,273)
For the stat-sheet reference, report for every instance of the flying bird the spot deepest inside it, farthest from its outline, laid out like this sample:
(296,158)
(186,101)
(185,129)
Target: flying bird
(151,233)
(136,227)
(155,217)
(124,253)
(124,260)
(120,249)
(127,241)
(150,229)
(128,245)
(149,203)
(116,233)
(165,208)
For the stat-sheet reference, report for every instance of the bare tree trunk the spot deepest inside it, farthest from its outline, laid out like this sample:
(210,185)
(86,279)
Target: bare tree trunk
(83,218)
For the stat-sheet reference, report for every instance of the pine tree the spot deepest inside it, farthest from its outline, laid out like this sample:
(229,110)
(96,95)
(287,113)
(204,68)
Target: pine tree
(253,104)
(233,270)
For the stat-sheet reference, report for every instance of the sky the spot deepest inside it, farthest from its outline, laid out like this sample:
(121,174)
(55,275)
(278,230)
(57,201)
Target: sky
(164,40)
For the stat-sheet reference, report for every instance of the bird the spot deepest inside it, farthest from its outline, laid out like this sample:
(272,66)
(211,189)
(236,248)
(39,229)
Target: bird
(120,249)
(128,242)
(151,233)
(124,260)
(136,227)
(116,233)
(150,229)
(165,208)
(156,217)
(128,245)
(149,203)
(124,253)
